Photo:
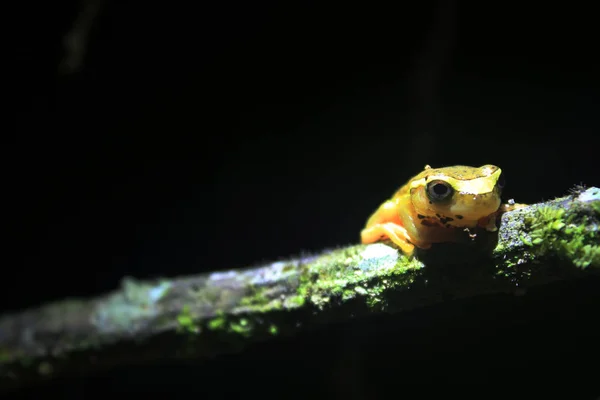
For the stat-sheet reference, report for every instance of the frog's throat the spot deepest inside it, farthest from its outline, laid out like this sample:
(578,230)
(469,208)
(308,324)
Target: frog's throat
(480,185)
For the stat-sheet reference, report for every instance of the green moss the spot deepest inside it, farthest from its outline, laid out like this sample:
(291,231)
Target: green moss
(360,272)
(186,321)
(217,323)
(294,302)
(596,207)
(303,290)
(260,301)
(233,324)
(571,235)
(363,273)
(267,299)
(243,327)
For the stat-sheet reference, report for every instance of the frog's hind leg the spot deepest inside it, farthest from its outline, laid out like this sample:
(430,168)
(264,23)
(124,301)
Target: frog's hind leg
(396,233)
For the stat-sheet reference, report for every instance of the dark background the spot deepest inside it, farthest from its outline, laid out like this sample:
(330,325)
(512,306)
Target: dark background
(206,136)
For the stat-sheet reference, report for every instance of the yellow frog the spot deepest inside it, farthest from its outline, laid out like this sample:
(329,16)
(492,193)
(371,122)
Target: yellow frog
(439,205)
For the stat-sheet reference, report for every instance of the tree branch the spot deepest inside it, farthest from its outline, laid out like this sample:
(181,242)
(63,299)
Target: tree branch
(75,42)
(210,314)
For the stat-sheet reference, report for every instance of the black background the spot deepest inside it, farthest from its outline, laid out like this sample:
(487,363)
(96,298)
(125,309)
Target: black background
(207,136)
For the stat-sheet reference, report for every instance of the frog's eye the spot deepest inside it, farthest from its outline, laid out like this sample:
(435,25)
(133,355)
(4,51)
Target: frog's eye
(501,182)
(439,191)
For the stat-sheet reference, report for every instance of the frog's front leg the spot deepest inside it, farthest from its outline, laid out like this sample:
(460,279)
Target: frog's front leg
(394,232)
(511,207)
(384,223)
(489,223)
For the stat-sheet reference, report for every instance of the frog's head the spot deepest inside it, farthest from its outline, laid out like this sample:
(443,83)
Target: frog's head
(457,196)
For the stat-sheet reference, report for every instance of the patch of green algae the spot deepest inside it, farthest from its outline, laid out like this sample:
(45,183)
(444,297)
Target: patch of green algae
(357,273)
(565,228)
(185,321)
(239,325)
(511,255)
(571,235)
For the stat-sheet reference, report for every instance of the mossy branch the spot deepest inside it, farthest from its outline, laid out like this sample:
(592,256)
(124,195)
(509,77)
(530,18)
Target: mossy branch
(209,314)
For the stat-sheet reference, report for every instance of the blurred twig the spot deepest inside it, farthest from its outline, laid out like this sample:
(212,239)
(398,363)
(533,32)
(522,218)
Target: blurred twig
(75,42)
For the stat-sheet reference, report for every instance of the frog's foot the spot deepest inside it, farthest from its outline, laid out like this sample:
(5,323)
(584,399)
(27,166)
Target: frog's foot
(396,233)
(488,223)
(511,207)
